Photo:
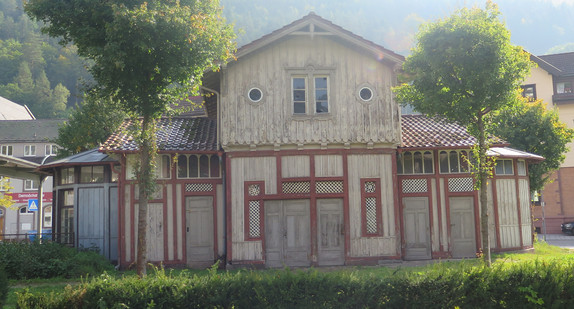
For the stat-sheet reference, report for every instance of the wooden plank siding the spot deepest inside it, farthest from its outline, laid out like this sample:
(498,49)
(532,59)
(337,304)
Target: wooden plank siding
(372,166)
(507,212)
(525,217)
(270,121)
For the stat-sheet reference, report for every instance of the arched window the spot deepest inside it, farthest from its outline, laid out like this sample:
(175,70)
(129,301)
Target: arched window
(214,166)
(182,166)
(193,167)
(204,166)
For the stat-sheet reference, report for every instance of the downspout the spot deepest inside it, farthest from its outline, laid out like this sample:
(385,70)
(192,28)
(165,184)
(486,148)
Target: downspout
(40,212)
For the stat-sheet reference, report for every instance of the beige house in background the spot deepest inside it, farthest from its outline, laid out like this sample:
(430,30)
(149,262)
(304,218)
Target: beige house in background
(552,81)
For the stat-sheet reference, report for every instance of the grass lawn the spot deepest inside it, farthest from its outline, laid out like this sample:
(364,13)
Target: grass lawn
(542,252)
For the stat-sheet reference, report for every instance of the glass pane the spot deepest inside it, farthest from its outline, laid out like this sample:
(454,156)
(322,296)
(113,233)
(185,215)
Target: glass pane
(214,166)
(203,166)
(98,174)
(165,166)
(321,82)
(408,159)
(68,198)
(499,167)
(399,164)
(463,161)
(453,160)
(182,166)
(86,174)
(322,107)
(443,158)
(193,167)
(299,83)
(508,168)
(521,168)
(418,163)
(299,108)
(299,95)
(67,227)
(428,163)
(321,95)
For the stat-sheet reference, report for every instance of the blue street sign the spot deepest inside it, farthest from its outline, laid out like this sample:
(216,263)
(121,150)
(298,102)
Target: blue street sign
(33,205)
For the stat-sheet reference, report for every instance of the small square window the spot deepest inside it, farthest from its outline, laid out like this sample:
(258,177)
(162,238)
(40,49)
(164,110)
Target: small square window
(529,92)
(92,174)
(30,185)
(29,150)
(67,176)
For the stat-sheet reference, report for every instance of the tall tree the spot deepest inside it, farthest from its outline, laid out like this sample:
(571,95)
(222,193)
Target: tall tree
(146,54)
(464,67)
(532,128)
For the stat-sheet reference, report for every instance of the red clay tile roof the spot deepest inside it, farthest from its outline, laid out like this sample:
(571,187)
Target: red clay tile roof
(174,134)
(420,131)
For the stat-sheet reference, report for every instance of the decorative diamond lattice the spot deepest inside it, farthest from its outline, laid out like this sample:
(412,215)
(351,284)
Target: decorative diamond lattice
(296,187)
(329,186)
(198,187)
(370,187)
(371,214)
(414,185)
(254,190)
(254,219)
(460,185)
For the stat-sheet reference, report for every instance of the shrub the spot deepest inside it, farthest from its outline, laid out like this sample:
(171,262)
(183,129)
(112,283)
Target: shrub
(3,286)
(23,260)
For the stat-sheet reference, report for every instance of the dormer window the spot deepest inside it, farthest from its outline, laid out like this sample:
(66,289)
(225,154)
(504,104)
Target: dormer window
(564,87)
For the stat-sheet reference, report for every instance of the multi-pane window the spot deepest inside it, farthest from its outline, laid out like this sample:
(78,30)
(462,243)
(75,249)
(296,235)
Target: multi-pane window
(6,150)
(564,87)
(504,167)
(67,176)
(307,96)
(370,207)
(29,150)
(92,174)
(51,150)
(47,216)
(416,162)
(253,209)
(198,166)
(30,185)
(67,217)
(529,92)
(453,161)
(163,167)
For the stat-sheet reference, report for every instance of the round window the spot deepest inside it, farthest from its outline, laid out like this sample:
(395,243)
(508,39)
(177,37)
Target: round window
(255,94)
(366,94)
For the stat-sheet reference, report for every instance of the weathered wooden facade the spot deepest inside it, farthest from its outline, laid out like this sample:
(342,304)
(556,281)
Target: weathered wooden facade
(303,159)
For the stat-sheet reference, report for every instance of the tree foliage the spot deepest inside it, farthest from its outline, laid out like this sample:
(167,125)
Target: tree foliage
(533,128)
(5,187)
(462,68)
(89,125)
(146,54)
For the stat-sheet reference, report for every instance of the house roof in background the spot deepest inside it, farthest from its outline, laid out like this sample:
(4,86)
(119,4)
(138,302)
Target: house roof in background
(173,134)
(320,26)
(37,131)
(564,62)
(12,111)
(419,131)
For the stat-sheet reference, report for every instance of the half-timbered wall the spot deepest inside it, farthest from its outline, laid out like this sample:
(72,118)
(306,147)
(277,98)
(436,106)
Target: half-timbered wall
(270,121)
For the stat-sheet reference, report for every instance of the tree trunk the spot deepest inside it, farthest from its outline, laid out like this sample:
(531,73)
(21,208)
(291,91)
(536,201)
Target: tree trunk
(483,197)
(145,181)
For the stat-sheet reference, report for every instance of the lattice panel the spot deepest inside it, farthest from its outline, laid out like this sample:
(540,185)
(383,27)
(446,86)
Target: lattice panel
(370,187)
(198,187)
(460,185)
(296,187)
(329,186)
(254,219)
(254,190)
(414,185)
(371,214)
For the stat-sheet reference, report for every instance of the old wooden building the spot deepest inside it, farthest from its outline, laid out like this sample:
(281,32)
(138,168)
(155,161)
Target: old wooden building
(301,157)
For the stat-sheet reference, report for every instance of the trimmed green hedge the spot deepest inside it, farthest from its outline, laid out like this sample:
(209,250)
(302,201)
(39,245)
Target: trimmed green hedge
(24,260)
(523,285)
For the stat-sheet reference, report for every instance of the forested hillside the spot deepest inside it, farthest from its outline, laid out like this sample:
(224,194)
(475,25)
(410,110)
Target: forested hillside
(34,69)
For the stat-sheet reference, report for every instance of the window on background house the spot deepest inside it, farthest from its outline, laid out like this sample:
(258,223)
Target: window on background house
(30,185)
(51,150)
(29,150)
(564,87)
(529,92)
(6,150)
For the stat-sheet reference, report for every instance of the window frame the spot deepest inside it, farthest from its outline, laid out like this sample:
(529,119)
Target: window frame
(402,170)
(7,150)
(525,88)
(30,185)
(257,198)
(184,172)
(310,74)
(29,150)
(461,164)
(53,150)
(506,163)
(92,178)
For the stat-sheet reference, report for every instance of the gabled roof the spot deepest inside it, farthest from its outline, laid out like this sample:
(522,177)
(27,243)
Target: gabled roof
(564,63)
(173,134)
(20,131)
(12,111)
(313,24)
(419,131)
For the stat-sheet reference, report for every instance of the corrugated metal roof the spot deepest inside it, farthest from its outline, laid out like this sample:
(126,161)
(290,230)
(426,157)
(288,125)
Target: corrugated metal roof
(173,134)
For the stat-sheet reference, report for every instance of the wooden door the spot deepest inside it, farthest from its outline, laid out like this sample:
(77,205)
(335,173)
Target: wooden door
(199,231)
(417,228)
(331,232)
(462,228)
(287,233)
(155,232)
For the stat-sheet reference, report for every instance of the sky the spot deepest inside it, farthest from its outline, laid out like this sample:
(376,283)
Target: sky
(539,26)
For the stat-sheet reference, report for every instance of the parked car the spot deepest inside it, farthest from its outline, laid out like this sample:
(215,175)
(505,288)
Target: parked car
(567,228)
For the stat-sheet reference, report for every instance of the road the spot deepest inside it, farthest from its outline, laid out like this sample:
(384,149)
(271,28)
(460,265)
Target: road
(560,240)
